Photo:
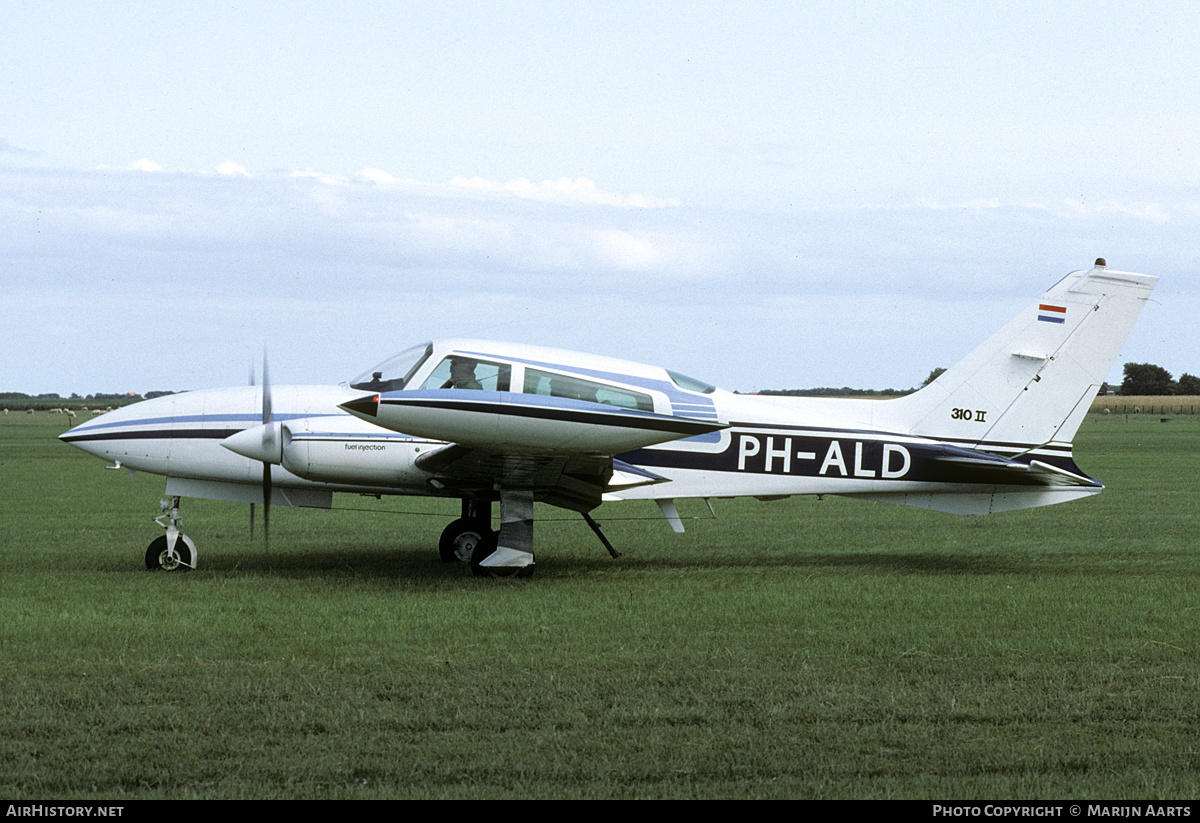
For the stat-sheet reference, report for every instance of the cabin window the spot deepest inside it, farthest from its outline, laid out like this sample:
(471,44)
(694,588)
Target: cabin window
(691,383)
(575,388)
(459,372)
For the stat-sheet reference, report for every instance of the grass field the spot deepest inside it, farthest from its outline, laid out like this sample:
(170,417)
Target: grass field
(796,649)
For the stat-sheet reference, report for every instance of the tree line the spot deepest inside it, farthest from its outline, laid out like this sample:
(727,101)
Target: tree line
(1149,379)
(1141,379)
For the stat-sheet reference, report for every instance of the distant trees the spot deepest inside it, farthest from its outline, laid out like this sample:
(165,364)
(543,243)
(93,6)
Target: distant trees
(1146,378)
(74,400)
(933,375)
(1149,379)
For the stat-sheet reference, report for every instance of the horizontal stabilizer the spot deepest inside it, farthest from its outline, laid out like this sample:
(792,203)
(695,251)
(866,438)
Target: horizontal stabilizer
(992,469)
(1054,476)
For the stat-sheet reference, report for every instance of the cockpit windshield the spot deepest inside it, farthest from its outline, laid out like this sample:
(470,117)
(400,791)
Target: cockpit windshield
(394,373)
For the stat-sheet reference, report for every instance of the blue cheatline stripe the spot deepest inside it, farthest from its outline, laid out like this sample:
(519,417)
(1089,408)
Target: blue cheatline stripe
(171,420)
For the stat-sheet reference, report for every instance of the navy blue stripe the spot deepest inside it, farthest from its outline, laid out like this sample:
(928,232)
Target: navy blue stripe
(153,434)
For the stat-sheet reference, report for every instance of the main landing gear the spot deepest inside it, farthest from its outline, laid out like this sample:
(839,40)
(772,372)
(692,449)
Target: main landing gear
(174,550)
(504,553)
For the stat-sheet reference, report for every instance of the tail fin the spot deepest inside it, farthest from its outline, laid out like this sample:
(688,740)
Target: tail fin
(1030,384)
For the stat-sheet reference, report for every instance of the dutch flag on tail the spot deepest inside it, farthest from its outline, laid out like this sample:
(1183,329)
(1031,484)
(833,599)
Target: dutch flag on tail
(1052,314)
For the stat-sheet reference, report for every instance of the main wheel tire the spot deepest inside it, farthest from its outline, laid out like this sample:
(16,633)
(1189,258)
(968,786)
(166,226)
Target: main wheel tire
(485,549)
(460,539)
(159,559)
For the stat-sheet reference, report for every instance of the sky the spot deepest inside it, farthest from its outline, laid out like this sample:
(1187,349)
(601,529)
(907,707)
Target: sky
(760,195)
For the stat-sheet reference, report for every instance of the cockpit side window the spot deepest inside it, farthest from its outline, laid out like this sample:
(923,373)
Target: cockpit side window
(393,374)
(575,388)
(458,372)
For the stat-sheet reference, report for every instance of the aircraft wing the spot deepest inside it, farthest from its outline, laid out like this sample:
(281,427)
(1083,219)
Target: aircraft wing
(561,449)
(528,424)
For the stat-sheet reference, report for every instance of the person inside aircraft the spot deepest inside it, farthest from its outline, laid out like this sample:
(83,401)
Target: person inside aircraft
(462,375)
(558,388)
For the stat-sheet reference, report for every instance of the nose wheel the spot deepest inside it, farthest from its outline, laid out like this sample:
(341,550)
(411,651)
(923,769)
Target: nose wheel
(173,550)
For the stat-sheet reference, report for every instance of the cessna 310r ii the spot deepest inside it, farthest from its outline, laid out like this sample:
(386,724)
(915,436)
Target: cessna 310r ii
(486,422)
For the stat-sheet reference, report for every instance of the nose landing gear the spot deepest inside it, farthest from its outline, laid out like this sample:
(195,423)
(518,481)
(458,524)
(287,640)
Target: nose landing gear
(173,550)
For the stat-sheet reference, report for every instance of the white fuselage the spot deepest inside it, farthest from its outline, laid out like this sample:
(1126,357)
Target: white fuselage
(771,447)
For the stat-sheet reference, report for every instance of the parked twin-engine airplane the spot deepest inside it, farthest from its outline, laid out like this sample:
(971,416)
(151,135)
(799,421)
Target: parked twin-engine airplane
(486,422)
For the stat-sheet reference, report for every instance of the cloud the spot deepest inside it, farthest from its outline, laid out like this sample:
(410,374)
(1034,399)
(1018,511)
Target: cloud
(8,148)
(626,251)
(377,176)
(1158,212)
(231,169)
(145,164)
(328,179)
(562,190)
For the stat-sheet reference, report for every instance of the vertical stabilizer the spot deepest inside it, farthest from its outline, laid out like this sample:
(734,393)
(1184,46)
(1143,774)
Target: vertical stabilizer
(1031,383)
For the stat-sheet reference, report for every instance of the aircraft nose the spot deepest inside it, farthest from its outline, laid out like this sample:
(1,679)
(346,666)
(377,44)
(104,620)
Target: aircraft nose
(99,436)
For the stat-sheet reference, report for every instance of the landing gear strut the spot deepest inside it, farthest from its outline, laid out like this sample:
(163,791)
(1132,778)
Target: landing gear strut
(174,550)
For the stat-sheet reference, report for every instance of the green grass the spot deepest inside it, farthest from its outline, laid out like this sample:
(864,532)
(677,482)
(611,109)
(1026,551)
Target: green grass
(802,648)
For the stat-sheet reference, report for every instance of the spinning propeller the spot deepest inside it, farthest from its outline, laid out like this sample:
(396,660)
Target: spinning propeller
(268,446)
(270,439)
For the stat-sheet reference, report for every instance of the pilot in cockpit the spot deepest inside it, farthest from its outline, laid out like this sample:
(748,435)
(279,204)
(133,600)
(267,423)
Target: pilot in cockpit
(462,374)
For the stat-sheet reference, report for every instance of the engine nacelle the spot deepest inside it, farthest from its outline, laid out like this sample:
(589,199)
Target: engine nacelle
(335,449)
(380,458)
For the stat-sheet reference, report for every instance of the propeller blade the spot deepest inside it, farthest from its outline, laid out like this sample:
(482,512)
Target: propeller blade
(250,381)
(266,383)
(267,506)
(268,437)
